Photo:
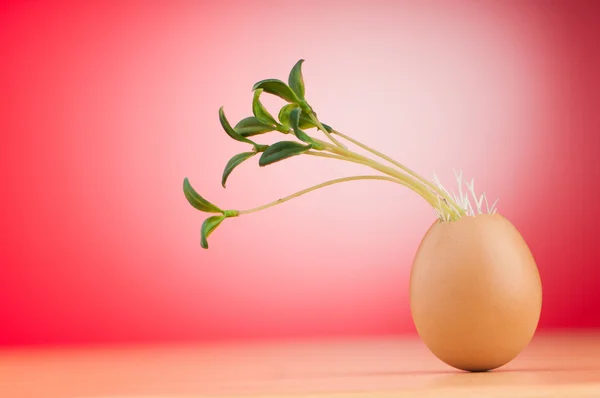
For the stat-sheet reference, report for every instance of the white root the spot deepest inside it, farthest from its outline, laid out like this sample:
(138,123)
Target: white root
(463,198)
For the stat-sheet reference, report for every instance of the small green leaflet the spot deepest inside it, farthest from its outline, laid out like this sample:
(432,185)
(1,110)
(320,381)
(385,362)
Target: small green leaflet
(198,201)
(229,130)
(306,122)
(284,117)
(233,163)
(284,114)
(295,120)
(252,126)
(296,81)
(282,150)
(259,111)
(278,88)
(208,226)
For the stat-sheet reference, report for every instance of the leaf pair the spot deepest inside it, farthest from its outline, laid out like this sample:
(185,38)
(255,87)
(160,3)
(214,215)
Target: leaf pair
(199,203)
(246,127)
(262,121)
(293,92)
(231,132)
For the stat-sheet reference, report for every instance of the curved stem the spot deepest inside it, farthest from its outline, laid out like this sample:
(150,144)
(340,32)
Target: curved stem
(411,182)
(334,156)
(401,179)
(404,168)
(314,188)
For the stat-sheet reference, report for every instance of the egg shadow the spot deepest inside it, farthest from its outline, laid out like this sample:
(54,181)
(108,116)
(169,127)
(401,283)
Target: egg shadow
(382,373)
(511,376)
(451,376)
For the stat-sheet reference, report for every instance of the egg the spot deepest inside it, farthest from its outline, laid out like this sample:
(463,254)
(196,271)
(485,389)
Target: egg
(475,292)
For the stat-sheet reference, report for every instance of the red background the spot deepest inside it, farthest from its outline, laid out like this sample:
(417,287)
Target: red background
(106,107)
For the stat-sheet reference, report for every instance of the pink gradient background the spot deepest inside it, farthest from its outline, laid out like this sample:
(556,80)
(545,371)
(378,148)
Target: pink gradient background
(106,106)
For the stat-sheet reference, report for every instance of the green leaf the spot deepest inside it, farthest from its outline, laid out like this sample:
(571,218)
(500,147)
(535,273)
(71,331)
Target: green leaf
(233,163)
(296,81)
(284,114)
(252,126)
(295,121)
(208,226)
(278,88)
(259,111)
(284,117)
(198,201)
(229,130)
(306,122)
(282,150)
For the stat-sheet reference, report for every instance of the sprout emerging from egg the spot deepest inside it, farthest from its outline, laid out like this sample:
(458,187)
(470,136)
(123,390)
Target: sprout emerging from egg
(475,290)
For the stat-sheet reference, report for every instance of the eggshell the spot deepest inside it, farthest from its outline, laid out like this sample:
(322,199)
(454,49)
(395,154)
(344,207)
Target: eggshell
(475,292)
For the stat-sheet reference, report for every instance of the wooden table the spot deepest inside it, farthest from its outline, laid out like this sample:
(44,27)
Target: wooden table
(554,365)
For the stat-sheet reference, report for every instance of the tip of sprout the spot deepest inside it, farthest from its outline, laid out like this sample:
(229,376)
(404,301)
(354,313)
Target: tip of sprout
(467,200)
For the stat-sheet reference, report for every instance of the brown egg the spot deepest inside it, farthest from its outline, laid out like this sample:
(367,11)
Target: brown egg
(475,292)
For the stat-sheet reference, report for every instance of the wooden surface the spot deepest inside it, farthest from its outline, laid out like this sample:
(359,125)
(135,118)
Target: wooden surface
(556,365)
